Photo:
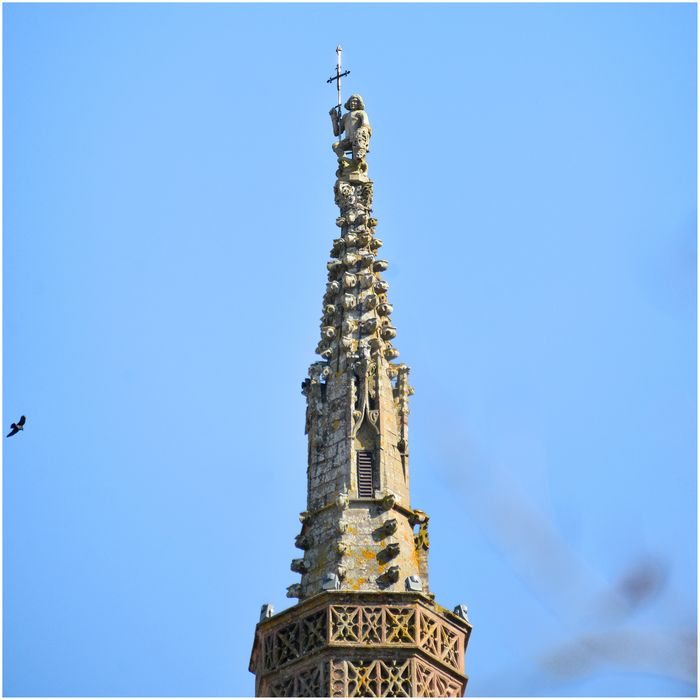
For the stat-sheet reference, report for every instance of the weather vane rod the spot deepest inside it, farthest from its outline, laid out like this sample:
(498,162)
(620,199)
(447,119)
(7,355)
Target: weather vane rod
(338,75)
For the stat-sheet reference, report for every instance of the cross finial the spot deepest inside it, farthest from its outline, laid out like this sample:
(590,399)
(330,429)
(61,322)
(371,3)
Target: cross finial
(338,75)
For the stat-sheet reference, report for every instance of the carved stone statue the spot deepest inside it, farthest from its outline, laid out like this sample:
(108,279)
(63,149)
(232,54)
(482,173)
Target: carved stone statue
(354,124)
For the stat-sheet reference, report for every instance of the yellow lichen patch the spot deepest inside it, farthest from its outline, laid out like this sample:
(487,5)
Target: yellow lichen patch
(336,424)
(367,553)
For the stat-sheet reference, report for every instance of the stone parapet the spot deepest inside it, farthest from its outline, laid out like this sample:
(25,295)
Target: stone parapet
(340,644)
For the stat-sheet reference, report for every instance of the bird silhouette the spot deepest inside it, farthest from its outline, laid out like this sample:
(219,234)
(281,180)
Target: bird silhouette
(16,427)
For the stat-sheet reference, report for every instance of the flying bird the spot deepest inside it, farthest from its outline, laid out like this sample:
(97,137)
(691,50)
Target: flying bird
(16,427)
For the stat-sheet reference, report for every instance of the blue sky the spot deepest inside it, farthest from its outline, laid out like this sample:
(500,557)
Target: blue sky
(168,213)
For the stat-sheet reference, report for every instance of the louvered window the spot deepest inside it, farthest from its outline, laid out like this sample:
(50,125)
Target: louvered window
(365,475)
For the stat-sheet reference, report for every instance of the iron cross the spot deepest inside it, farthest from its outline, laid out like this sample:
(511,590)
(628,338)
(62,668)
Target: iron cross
(338,75)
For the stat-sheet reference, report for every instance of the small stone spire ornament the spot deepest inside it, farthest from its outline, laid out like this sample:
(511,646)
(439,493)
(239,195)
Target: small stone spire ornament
(366,623)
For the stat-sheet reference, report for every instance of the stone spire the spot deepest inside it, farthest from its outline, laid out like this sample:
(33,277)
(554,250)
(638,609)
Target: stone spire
(366,622)
(358,528)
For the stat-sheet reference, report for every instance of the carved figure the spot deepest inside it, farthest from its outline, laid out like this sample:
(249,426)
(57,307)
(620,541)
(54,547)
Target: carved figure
(354,124)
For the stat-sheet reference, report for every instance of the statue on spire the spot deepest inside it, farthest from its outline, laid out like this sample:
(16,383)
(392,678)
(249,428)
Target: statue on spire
(354,124)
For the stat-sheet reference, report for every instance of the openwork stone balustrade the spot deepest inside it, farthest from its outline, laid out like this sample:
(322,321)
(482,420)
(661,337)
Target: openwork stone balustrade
(371,645)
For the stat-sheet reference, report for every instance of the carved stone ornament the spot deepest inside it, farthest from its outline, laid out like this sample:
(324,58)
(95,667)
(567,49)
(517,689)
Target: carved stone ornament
(390,526)
(349,280)
(462,611)
(370,301)
(369,326)
(303,541)
(381,287)
(266,611)
(366,280)
(389,501)
(294,591)
(331,582)
(333,288)
(391,575)
(366,260)
(299,566)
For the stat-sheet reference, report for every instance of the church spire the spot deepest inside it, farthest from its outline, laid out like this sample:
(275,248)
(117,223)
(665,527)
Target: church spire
(366,623)
(358,527)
